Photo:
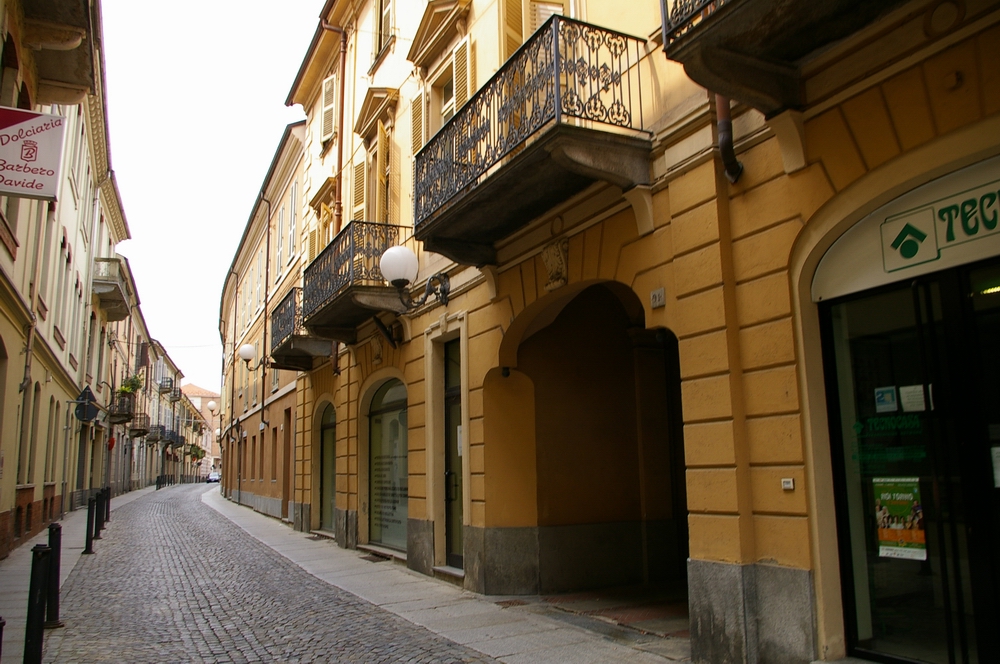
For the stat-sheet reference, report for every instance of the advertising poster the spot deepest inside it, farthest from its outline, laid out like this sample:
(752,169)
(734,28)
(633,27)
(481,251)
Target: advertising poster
(30,153)
(900,518)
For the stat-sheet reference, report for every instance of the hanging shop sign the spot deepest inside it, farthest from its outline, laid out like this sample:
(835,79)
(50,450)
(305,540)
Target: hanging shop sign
(899,516)
(30,153)
(948,222)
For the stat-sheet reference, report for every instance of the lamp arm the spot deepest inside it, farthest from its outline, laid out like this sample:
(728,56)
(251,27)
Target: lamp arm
(439,284)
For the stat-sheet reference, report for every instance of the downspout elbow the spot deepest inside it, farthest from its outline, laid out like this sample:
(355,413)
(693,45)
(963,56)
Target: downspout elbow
(733,167)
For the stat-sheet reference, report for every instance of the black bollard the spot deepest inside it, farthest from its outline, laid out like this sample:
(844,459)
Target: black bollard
(2,623)
(33,637)
(107,505)
(99,515)
(91,513)
(52,603)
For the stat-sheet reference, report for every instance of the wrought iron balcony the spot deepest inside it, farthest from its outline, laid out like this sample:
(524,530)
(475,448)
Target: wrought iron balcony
(122,408)
(139,426)
(563,113)
(344,286)
(156,433)
(109,285)
(175,394)
(750,50)
(292,347)
(170,437)
(165,385)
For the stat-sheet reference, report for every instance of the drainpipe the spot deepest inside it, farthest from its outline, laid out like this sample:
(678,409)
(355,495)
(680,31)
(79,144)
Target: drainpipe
(725,124)
(338,211)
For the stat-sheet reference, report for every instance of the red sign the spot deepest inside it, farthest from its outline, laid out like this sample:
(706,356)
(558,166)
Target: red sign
(30,153)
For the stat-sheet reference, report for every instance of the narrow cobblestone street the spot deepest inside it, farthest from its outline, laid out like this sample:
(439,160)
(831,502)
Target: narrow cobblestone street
(174,581)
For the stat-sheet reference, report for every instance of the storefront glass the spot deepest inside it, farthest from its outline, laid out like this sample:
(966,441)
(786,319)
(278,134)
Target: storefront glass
(914,402)
(388,472)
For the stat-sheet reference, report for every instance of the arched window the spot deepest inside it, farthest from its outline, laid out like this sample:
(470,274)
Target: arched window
(388,468)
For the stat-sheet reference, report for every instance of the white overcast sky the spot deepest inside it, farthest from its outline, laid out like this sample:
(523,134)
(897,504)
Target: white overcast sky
(196,105)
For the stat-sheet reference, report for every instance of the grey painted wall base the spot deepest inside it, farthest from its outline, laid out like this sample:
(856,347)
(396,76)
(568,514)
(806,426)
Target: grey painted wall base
(751,614)
(549,559)
(300,516)
(263,504)
(420,546)
(345,525)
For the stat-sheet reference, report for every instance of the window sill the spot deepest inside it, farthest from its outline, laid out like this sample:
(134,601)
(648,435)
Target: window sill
(386,49)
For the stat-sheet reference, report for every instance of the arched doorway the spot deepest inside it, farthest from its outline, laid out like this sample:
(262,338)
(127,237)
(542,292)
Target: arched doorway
(388,467)
(327,468)
(596,466)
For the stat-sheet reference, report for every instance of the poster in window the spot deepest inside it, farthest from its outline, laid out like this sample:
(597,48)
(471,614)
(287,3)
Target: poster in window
(899,517)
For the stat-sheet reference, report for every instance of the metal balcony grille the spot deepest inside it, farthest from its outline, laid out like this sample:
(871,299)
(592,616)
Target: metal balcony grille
(139,426)
(156,433)
(685,15)
(286,319)
(567,71)
(165,385)
(121,408)
(350,260)
(175,394)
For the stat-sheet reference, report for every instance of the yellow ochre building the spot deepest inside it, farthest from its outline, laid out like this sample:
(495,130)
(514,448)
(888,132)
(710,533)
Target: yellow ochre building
(702,296)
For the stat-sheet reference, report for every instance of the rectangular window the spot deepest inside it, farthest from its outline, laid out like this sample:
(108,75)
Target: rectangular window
(293,205)
(281,242)
(384,29)
(329,115)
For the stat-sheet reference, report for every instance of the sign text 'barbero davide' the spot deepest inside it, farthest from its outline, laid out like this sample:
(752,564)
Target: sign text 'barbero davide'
(30,153)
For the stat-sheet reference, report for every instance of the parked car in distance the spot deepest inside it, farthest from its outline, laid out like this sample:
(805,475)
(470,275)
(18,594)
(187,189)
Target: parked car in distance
(213,476)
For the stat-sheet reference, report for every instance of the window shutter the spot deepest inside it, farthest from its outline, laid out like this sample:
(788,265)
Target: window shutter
(542,11)
(381,177)
(417,123)
(313,241)
(329,116)
(460,67)
(513,28)
(395,199)
(359,190)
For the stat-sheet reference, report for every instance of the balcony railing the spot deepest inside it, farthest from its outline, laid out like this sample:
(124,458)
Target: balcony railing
(567,72)
(165,385)
(175,394)
(122,408)
(156,433)
(686,15)
(350,260)
(139,426)
(110,287)
(286,319)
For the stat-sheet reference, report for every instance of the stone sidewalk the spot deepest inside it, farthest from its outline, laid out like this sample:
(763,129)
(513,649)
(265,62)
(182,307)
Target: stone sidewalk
(515,633)
(15,570)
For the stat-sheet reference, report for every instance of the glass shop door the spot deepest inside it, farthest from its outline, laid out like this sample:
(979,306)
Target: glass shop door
(913,384)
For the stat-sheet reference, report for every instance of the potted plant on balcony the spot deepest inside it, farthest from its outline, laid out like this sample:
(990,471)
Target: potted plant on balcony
(131,384)
(123,405)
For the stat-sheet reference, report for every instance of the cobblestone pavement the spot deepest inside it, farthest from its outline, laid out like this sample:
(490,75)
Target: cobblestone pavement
(174,581)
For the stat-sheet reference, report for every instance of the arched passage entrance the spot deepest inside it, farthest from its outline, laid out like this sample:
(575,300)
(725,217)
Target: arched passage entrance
(584,454)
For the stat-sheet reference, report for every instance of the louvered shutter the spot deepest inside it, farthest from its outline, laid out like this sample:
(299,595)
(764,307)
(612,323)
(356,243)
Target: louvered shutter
(513,27)
(381,176)
(359,190)
(460,67)
(329,116)
(540,12)
(417,123)
(395,202)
